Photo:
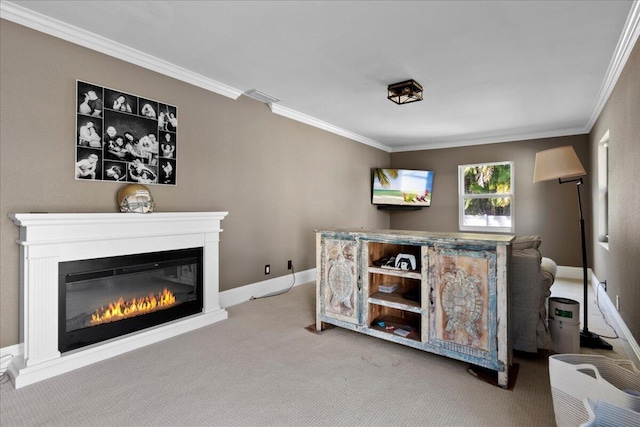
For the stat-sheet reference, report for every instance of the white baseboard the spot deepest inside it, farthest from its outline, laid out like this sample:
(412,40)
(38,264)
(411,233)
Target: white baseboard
(575,273)
(245,293)
(7,354)
(614,316)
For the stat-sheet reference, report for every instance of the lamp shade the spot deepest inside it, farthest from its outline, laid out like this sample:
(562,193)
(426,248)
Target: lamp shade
(556,163)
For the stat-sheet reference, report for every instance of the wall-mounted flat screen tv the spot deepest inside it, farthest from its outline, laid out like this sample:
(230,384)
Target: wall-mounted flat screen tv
(402,187)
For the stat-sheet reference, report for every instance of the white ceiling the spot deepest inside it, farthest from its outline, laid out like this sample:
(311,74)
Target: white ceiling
(491,70)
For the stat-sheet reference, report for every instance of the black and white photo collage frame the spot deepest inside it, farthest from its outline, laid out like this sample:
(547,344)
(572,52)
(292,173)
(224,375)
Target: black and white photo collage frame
(122,137)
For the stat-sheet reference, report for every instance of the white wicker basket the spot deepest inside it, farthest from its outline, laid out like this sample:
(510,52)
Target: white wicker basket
(576,377)
(603,414)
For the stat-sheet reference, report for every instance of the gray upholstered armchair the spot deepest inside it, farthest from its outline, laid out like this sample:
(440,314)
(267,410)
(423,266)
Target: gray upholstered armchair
(531,277)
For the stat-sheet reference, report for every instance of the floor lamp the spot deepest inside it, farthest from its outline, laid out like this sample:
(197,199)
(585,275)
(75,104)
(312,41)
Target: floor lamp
(562,163)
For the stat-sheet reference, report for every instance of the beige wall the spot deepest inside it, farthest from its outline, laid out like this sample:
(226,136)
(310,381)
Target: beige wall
(546,208)
(620,265)
(279,179)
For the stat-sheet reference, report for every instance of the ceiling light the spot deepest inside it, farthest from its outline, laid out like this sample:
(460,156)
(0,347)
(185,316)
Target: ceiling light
(261,96)
(405,92)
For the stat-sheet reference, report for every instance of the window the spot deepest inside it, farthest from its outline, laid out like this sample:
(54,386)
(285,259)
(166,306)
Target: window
(603,190)
(486,197)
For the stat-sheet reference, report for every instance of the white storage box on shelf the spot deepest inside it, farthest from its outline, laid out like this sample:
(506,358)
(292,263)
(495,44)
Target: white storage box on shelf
(604,414)
(576,377)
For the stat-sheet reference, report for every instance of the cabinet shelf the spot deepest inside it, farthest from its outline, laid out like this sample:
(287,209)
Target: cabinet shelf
(397,323)
(395,300)
(396,272)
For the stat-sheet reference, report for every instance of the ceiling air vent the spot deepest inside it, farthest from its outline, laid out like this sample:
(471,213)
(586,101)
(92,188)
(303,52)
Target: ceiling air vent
(261,96)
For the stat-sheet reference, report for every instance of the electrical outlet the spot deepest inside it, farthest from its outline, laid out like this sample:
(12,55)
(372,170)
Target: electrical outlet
(267,269)
(289,265)
(618,302)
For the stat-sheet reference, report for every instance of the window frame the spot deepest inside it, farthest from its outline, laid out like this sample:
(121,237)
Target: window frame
(603,190)
(462,197)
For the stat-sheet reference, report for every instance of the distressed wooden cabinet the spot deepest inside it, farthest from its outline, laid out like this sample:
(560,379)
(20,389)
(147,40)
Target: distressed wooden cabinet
(341,295)
(454,301)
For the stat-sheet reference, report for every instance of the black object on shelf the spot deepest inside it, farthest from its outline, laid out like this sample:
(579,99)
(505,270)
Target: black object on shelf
(382,261)
(412,295)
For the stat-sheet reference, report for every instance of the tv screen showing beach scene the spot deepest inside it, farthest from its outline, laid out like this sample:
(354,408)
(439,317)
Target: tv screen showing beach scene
(402,187)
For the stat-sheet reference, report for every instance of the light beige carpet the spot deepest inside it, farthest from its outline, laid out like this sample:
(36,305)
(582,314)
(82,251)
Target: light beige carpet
(261,367)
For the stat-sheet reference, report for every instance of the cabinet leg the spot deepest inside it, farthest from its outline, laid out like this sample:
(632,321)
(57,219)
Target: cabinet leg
(503,379)
(320,326)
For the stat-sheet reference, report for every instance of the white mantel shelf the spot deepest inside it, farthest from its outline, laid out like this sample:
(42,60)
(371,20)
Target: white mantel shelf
(47,239)
(39,228)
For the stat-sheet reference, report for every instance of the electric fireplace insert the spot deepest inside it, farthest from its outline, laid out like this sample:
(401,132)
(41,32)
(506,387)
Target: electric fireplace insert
(104,298)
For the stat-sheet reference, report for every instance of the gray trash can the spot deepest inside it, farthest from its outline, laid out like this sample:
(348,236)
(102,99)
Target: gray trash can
(564,325)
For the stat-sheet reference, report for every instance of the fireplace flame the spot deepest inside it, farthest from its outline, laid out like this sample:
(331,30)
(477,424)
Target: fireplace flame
(122,309)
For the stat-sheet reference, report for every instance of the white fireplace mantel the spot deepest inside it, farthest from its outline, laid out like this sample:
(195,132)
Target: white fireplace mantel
(48,239)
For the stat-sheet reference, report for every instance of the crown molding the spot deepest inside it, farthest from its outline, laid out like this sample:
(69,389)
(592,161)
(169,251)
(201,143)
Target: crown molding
(627,41)
(53,27)
(312,121)
(453,143)
(70,33)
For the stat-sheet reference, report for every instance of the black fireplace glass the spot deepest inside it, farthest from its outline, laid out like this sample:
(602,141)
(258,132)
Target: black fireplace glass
(103,298)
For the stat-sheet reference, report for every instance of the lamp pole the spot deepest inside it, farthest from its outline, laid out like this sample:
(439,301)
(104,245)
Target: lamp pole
(587,339)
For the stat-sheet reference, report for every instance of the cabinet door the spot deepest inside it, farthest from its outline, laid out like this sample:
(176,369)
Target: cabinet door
(338,288)
(462,318)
